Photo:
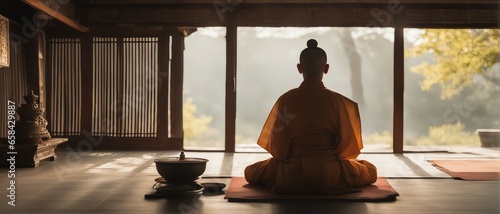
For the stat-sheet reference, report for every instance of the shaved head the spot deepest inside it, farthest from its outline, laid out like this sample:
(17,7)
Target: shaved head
(312,59)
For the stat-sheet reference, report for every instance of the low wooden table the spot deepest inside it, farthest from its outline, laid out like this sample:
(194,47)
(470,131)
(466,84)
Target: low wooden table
(27,155)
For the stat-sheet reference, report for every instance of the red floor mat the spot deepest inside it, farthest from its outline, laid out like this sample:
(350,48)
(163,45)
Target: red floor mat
(474,170)
(240,191)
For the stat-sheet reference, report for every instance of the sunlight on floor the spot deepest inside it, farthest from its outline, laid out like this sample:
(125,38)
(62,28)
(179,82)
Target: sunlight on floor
(121,165)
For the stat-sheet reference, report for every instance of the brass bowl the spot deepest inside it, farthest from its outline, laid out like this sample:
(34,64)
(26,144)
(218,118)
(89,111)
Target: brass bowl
(180,169)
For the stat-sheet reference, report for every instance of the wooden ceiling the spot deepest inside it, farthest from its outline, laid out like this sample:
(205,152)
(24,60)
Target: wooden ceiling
(142,2)
(98,14)
(362,13)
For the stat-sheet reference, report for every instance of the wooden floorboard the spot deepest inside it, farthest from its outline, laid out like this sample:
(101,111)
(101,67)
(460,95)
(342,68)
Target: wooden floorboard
(116,182)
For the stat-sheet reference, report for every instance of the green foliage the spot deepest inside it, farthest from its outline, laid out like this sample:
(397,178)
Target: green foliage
(459,54)
(447,135)
(194,125)
(379,138)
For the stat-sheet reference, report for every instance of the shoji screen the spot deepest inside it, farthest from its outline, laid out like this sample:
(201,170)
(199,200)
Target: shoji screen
(66,89)
(125,86)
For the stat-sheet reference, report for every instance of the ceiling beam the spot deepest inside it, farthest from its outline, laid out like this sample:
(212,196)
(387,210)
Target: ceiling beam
(299,15)
(236,2)
(39,5)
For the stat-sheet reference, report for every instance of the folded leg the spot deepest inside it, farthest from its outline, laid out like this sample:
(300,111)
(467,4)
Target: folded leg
(262,172)
(362,172)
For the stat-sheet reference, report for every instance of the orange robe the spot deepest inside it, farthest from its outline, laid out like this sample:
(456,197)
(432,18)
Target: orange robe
(314,136)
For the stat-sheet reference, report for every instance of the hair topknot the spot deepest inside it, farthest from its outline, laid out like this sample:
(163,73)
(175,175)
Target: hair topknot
(312,43)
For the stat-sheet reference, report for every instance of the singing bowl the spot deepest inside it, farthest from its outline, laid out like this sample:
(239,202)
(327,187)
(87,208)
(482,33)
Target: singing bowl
(173,169)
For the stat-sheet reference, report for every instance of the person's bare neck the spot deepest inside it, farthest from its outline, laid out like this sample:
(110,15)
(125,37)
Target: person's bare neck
(313,78)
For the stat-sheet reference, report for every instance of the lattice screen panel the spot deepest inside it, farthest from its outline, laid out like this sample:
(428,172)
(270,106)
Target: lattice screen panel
(125,87)
(66,88)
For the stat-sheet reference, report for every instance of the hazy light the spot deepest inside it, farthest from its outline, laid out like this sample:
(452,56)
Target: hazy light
(213,32)
(289,32)
(413,35)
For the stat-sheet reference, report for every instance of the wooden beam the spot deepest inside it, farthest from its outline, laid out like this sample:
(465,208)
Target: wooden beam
(178,16)
(231,38)
(176,86)
(56,14)
(163,85)
(314,15)
(398,90)
(48,82)
(128,30)
(235,2)
(32,65)
(87,80)
(475,17)
(353,14)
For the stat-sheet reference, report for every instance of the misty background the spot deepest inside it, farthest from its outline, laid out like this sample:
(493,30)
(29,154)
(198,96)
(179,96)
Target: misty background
(361,68)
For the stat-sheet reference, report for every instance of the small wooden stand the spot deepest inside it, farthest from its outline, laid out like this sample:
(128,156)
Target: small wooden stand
(30,155)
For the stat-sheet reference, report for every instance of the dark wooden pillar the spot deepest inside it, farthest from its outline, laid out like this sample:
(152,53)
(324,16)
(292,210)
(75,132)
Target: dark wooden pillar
(87,81)
(231,38)
(398,90)
(163,83)
(33,71)
(176,82)
(48,83)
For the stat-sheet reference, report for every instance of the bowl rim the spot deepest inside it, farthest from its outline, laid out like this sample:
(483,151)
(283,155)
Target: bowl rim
(176,160)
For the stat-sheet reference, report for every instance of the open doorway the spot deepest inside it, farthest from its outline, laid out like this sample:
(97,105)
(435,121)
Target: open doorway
(361,68)
(204,89)
(452,87)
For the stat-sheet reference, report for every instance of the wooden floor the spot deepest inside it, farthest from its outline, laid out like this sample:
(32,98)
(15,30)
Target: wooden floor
(115,182)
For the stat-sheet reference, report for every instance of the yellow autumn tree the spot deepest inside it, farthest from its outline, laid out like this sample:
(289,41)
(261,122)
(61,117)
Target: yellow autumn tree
(449,134)
(459,54)
(194,125)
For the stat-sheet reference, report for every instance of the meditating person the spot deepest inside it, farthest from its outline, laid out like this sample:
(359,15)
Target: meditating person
(314,137)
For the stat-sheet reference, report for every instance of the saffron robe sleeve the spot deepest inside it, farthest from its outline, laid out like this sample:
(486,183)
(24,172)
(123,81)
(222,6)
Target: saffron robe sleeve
(274,131)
